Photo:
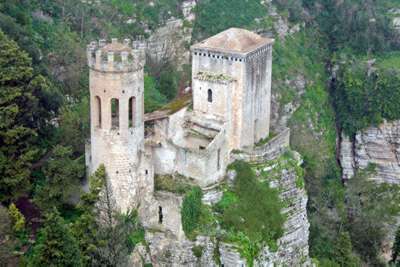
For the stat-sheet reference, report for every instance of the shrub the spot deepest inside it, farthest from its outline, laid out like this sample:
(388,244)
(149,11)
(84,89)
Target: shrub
(197,251)
(191,211)
(17,219)
(251,212)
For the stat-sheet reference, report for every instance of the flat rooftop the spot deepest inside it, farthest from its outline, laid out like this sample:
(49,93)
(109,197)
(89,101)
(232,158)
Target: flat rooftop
(234,40)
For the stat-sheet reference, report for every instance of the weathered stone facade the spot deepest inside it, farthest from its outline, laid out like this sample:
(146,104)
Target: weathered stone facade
(231,113)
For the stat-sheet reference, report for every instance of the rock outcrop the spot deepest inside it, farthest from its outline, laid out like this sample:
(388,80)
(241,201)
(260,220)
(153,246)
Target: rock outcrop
(379,146)
(376,145)
(293,246)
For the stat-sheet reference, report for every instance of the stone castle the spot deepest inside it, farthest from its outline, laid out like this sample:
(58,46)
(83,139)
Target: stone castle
(196,136)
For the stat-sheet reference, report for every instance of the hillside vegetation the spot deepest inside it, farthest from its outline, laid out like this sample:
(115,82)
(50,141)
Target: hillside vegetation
(336,68)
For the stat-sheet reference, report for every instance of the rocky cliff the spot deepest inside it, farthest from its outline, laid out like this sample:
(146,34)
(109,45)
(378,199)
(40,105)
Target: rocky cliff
(379,146)
(376,145)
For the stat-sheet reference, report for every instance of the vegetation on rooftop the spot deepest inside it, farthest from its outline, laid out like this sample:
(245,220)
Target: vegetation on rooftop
(173,183)
(178,104)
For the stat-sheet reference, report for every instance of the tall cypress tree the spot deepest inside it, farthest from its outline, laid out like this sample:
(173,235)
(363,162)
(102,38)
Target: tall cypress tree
(396,248)
(55,245)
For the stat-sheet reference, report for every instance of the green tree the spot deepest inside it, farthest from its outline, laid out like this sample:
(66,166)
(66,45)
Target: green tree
(153,99)
(168,83)
(55,245)
(7,241)
(63,175)
(370,208)
(24,116)
(17,218)
(74,125)
(364,96)
(344,251)
(396,247)
(106,237)
(85,229)
(191,211)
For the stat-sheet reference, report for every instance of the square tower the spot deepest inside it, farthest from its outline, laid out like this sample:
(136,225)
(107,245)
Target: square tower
(236,65)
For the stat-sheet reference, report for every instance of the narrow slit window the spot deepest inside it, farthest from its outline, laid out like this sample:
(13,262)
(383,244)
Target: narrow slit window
(132,109)
(114,113)
(219,159)
(98,111)
(160,215)
(209,96)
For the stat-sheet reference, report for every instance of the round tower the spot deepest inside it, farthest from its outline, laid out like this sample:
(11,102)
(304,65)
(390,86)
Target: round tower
(116,114)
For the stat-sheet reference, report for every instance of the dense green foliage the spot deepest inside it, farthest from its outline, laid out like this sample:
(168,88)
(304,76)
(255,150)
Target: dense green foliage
(216,16)
(191,211)
(24,115)
(17,219)
(344,251)
(359,25)
(85,227)
(6,237)
(105,236)
(244,215)
(63,175)
(365,97)
(396,247)
(44,117)
(251,212)
(370,207)
(153,99)
(55,245)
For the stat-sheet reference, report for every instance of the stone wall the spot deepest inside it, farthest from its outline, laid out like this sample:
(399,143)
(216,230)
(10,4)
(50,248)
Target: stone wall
(221,63)
(257,95)
(268,151)
(213,97)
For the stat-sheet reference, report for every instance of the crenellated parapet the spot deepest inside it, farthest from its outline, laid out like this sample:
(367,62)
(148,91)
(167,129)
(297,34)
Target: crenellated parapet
(128,56)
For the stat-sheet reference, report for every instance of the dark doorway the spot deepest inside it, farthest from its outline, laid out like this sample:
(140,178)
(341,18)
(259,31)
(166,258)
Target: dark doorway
(160,215)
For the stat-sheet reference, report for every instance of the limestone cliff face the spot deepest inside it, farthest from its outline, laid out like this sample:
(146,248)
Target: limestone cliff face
(377,145)
(170,42)
(293,246)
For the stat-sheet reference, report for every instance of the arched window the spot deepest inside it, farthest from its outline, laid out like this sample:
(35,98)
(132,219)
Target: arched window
(98,111)
(114,113)
(209,95)
(132,109)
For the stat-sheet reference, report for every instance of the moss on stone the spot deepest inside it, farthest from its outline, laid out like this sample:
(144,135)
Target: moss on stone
(213,77)
(197,251)
(178,104)
(266,139)
(177,184)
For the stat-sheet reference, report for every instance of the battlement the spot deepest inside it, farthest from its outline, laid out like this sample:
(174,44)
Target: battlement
(128,56)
